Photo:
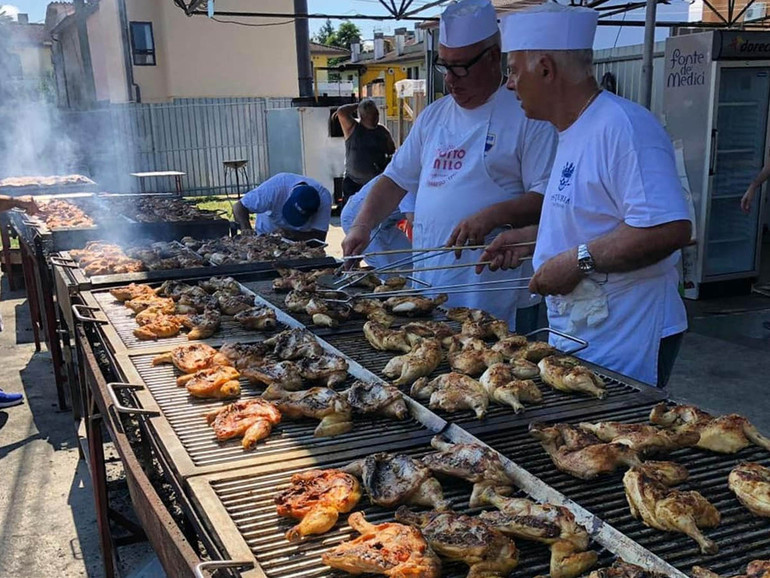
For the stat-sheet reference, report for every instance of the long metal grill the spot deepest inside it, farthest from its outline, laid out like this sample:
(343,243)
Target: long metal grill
(248,499)
(741,536)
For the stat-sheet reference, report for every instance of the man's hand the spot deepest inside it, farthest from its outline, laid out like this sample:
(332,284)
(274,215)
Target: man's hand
(28,204)
(502,255)
(748,198)
(558,276)
(355,242)
(472,231)
(248,232)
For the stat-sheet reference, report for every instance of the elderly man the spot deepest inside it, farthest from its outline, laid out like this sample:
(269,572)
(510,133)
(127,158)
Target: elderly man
(474,160)
(368,145)
(614,214)
(297,207)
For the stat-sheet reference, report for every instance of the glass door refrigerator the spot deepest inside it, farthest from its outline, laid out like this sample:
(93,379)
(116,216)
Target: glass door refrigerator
(716,103)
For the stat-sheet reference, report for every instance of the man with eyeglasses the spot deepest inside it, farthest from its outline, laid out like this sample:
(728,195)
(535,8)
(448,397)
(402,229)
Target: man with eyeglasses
(476,162)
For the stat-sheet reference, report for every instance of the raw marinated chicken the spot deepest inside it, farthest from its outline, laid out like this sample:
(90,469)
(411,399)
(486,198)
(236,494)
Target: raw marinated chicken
(202,325)
(317,402)
(159,326)
(621,569)
(567,374)
(295,344)
(233,304)
(394,479)
(546,523)
(511,346)
(579,453)
(317,498)
(251,420)
(219,382)
(535,351)
(414,305)
(259,317)
(327,369)
(243,355)
(471,356)
(373,310)
(422,360)
(192,357)
(755,569)
(160,304)
(285,374)
(326,313)
(376,398)
(384,339)
(452,392)
(751,484)
(296,301)
(470,462)
(663,508)
(645,439)
(465,539)
(390,549)
(502,385)
(131,291)
(726,434)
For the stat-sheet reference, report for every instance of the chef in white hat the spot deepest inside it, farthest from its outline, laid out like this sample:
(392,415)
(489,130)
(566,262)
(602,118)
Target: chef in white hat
(614,214)
(475,161)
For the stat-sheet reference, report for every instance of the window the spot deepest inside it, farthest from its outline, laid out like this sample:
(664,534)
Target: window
(142,44)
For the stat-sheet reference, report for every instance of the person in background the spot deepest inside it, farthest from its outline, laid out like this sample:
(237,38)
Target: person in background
(476,164)
(295,206)
(28,205)
(614,215)
(755,187)
(387,236)
(368,145)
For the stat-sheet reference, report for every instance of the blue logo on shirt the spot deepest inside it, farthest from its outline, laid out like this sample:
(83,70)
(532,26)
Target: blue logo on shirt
(491,138)
(566,175)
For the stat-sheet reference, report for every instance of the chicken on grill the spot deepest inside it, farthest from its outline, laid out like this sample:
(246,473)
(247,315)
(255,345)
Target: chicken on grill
(131,291)
(414,305)
(376,398)
(645,439)
(234,304)
(567,374)
(726,434)
(327,313)
(621,569)
(501,384)
(546,523)
(224,285)
(452,392)
(751,484)
(417,330)
(157,325)
(192,357)
(394,479)
(471,462)
(243,355)
(488,329)
(285,374)
(466,539)
(252,420)
(295,280)
(384,339)
(391,284)
(160,304)
(535,351)
(373,310)
(317,498)
(296,301)
(471,356)
(659,506)
(218,382)
(390,549)
(424,357)
(196,301)
(327,369)
(202,325)
(579,453)
(510,347)
(322,403)
(755,569)
(295,344)
(260,318)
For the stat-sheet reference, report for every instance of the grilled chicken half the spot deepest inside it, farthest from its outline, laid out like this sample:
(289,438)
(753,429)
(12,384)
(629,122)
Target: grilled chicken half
(317,498)
(471,356)
(390,549)
(243,355)
(645,439)
(394,479)
(509,347)
(322,403)
(259,317)
(325,370)
(251,420)
(659,506)
(295,344)
(755,569)
(131,291)
(202,325)
(465,539)
(382,338)
(414,305)
(567,374)
(581,454)
(546,523)
(502,385)
(376,398)
(218,382)
(373,310)
(192,357)
(621,569)
(283,374)
(326,313)
(751,484)
(422,360)
(726,434)
(452,392)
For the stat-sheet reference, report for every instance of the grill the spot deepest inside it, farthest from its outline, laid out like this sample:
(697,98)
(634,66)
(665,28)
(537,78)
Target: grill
(49,186)
(741,536)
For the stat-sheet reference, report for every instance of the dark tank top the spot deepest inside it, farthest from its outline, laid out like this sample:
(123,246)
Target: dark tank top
(365,152)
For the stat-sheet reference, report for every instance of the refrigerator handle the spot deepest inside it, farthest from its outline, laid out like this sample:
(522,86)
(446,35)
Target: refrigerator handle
(713,155)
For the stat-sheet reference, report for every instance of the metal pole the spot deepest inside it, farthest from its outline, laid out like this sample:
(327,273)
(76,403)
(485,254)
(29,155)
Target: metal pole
(647,54)
(85,53)
(301,31)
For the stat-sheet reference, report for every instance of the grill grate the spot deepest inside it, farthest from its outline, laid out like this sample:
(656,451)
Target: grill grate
(741,536)
(248,500)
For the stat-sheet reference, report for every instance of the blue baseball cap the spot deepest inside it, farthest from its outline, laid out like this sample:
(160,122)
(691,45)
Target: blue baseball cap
(301,205)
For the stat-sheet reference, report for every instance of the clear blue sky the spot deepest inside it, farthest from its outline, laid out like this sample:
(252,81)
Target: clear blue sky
(606,37)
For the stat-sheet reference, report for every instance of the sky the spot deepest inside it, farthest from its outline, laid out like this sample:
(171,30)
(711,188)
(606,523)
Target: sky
(606,37)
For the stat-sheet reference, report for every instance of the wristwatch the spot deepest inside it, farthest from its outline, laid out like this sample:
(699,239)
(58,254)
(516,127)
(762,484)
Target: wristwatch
(585,261)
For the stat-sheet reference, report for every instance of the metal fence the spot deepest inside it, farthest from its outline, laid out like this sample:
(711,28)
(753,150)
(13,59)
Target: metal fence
(194,136)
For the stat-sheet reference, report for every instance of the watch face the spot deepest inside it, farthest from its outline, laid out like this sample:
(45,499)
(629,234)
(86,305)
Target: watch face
(586,265)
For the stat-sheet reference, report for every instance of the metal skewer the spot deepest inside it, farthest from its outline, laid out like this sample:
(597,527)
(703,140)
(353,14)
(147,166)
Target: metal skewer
(415,293)
(431,250)
(439,268)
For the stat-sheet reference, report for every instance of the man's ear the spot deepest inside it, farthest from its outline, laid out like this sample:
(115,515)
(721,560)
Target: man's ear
(547,67)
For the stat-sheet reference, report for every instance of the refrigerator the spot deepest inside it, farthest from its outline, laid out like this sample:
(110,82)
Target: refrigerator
(716,99)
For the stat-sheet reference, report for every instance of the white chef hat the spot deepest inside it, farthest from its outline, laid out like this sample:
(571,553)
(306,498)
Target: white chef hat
(549,26)
(467,22)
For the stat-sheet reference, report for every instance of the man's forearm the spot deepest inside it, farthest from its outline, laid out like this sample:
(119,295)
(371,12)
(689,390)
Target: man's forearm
(381,202)
(516,213)
(241,216)
(630,248)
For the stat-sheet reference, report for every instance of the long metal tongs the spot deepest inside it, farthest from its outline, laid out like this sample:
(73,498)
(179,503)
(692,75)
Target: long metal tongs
(443,249)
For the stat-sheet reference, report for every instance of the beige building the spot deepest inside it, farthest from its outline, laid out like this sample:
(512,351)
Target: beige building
(150,51)
(27,58)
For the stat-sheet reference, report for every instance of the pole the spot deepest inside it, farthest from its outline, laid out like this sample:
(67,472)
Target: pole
(85,53)
(302,32)
(647,54)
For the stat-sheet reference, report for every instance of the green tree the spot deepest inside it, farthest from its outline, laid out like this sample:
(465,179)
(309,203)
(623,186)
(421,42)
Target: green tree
(346,34)
(326,34)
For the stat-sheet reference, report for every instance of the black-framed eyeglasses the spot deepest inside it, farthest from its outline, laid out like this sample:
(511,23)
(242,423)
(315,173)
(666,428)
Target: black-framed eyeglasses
(459,70)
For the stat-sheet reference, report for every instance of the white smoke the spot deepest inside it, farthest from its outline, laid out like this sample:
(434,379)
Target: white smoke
(10,11)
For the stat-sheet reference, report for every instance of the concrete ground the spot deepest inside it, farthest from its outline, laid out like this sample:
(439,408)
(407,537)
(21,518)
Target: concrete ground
(47,523)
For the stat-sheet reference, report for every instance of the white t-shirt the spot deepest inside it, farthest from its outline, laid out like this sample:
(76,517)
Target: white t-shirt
(267,201)
(614,165)
(519,151)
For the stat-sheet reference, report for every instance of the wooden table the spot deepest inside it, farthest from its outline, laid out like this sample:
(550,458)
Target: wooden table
(176,174)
